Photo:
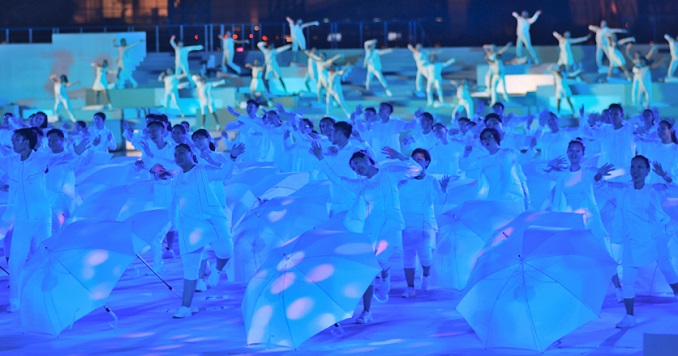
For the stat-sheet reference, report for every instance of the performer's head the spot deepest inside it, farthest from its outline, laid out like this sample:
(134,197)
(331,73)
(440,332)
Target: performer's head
(490,139)
(24,140)
(426,121)
(616,114)
(203,140)
(327,126)
(603,23)
(123,42)
(252,107)
(385,111)
(552,122)
(362,164)
(156,131)
(666,132)
(341,133)
(99,118)
(640,168)
(439,130)
(422,157)
(524,14)
(576,150)
(184,157)
(498,108)
(55,140)
(493,121)
(179,133)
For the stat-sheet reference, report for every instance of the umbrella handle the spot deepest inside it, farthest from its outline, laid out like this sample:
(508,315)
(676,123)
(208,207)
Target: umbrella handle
(114,324)
(4,270)
(157,275)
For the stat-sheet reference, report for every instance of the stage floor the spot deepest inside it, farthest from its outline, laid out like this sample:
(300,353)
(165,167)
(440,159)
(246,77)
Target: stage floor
(425,325)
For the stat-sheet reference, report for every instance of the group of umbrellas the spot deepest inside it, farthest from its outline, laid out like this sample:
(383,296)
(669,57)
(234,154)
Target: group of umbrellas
(528,279)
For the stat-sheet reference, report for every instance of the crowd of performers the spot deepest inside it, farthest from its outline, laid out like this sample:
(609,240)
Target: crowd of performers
(387,177)
(325,75)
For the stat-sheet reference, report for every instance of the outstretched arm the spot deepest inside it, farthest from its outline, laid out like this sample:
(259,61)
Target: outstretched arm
(558,36)
(534,17)
(669,39)
(283,48)
(194,48)
(595,29)
(53,78)
(505,48)
(580,39)
(289,21)
(369,43)
(309,24)
(409,46)
(515,14)
(385,51)
(650,53)
(135,43)
(449,62)
(174,44)
(261,46)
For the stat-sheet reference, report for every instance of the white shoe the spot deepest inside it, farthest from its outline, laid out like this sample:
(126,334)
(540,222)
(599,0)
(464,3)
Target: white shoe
(619,294)
(364,318)
(337,330)
(425,284)
(168,254)
(183,312)
(214,277)
(388,93)
(201,286)
(410,292)
(629,321)
(381,294)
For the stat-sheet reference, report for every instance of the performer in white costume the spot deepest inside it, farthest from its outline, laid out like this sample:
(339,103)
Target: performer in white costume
(199,218)
(378,211)
(434,70)
(181,55)
(228,50)
(561,77)
(495,73)
(257,84)
(523,33)
(28,202)
(124,66)
(101,81)
(322,64)
(206,99)
(101,137)
(641,228)
(61,94)
(421,57)
(673,48)
(641,89)
(372,62)
(616,57)
(386,131)
(172,85)
(501,168)
(420,194)
(464,99)
(270,60)
(565,42)
(664,154)
(602,42)
(297,33)
(335,91)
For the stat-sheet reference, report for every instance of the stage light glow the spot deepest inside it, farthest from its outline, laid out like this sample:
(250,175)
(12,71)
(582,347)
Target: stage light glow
(195,37)
(264,38)
(256,28)
(235,36)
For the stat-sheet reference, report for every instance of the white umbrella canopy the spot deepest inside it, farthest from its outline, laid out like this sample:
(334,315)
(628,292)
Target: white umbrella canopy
(307,285)
(535,287)
(73,273)
(268,226)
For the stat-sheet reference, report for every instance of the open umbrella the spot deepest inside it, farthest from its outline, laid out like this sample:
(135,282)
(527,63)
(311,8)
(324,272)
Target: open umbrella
(117,202)
(533,288)
(307,285)
(73,273)
(462,234)
(270,225)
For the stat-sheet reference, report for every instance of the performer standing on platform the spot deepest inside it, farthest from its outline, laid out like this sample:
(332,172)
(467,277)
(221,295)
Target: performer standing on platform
(257,85)
(642,75)
(616,57)
(101,81)
(563,91)
(205,98)
(181,56)
(434,70)
(171,81)
(673,47)
(565,43)
(124,66)
(335,91)
(523,33)
(228,50)
(297,33)
(271,61)
(464,99)
(61,94)
(420,59)
(602,43)
(372,62)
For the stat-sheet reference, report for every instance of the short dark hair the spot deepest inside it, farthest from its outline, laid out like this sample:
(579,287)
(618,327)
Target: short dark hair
(100,114)
(28,134)
(156,123)
(253,102)
(427,116)
(499,103)
(492,116)
(56,132)
(427,155)
(388,105)
(643,158)
(344,127)
(372,109)
(361,154)
(615,106)
(327,118)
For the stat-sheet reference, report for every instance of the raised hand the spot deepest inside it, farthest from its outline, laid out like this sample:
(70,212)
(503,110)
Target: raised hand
(146,148)
(237,150)
(419,111)
(316,150)
(557,163)
(82,146)
(604,171)
(286,134)
(232,111)
(657,168)
(97,141)
(444,183)
(392,153)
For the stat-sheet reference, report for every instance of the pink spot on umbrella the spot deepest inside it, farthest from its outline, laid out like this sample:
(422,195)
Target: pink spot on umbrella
(352,291)
(96,257)
(283,282)
(276,216)
(320,273)
(259,326)
(299,308)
